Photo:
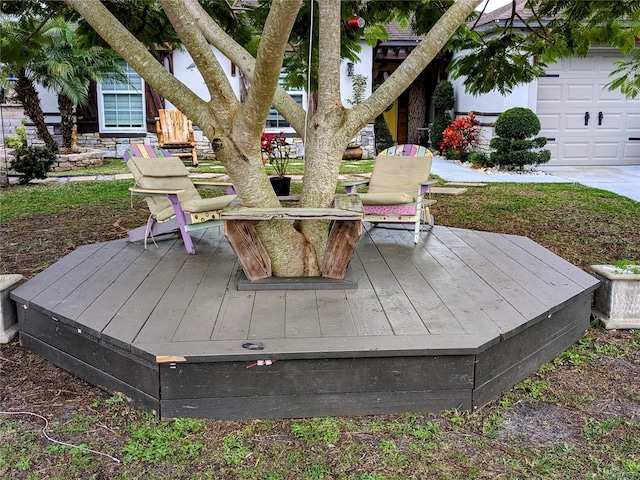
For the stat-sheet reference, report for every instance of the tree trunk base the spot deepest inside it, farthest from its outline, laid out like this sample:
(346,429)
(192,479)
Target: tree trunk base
(297,283)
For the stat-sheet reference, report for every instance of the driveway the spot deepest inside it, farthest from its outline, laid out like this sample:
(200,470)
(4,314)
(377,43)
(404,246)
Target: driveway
(622,180)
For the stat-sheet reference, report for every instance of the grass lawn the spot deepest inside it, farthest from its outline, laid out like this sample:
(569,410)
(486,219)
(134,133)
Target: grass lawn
(578,417)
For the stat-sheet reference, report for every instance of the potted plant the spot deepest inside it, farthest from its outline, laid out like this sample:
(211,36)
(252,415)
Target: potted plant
(617,299)
(275,151)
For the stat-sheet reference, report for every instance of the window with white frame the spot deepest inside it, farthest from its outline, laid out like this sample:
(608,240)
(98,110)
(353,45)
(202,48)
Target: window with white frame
(275,121)
(122,103)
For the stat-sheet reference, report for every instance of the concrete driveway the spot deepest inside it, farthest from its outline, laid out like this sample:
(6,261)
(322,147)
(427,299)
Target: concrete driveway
(622,180)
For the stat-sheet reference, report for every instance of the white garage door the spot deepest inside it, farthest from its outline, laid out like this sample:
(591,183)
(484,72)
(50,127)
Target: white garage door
(586,124)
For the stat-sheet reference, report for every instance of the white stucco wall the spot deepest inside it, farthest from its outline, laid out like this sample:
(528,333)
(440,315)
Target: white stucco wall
(192,77)
(494,102)
(363,67)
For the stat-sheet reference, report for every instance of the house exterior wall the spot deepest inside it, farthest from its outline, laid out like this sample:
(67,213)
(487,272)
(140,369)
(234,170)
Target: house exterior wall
(363,67)
(114,145)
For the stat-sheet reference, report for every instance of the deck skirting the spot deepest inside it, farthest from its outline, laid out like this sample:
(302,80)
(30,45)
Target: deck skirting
(449,323)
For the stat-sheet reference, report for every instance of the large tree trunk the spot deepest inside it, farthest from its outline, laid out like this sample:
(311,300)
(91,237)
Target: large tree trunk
(294,250)
(65,106)
(30,99)
(417,109)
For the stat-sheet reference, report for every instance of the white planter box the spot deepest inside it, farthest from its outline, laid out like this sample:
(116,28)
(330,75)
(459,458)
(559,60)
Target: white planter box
(617,299)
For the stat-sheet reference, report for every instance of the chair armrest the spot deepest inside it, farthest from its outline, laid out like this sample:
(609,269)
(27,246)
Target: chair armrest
(423,187)
(155,191)
(429,182)
(352,187)
(205,184)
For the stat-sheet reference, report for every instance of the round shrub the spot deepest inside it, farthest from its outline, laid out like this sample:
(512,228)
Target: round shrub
(517,123)
(514,145)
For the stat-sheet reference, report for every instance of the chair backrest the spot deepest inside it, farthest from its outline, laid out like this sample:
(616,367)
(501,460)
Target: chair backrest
(408,150)
(144,151)
(175,127)
(168,173)
(392,174)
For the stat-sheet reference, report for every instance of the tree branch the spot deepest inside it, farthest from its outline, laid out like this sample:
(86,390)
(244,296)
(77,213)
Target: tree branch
(268,64)
(329,54)
(220,91)
(282,101)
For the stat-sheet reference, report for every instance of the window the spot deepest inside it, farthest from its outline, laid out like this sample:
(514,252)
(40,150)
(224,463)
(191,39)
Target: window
(122,104)
(275,121)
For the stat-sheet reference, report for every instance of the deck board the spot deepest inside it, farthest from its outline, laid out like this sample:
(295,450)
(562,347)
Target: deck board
(449,322)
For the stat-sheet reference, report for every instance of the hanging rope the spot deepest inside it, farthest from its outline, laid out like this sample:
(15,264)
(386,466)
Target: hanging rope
(306,116)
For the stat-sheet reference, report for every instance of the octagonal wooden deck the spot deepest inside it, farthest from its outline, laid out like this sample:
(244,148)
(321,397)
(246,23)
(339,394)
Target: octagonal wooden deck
(448,323)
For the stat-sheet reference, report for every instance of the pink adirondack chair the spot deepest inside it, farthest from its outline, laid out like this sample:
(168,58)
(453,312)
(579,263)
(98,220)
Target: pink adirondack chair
(397,188)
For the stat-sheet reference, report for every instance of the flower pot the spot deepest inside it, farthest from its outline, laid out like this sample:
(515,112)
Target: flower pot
(352,153)
(281,185)
(617,299)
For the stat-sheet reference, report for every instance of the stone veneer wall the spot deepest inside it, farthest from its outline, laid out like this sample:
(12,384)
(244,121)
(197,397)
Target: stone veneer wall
(114,146)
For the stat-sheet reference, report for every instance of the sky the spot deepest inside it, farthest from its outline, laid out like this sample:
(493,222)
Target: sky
(493,4)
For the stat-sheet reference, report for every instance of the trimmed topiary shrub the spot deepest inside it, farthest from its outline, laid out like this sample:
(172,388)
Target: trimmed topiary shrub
(443,98)
(33,162)
(382,134)
(443,101)
(514,145)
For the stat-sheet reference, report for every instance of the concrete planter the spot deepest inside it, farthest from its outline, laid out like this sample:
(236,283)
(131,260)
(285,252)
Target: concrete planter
(617,299)
(8,314)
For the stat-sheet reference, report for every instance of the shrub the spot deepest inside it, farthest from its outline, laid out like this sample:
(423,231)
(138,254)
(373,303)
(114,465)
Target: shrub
(480,160)
(443,98)
(19,141)
(440,122)
(382,134)
(33,162)
(443,101)
(461,135)
(514,146)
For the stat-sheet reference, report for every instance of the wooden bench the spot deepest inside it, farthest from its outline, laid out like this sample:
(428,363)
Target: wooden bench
(346,217)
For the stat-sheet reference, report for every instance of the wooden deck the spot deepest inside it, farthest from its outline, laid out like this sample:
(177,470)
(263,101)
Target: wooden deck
(448,323)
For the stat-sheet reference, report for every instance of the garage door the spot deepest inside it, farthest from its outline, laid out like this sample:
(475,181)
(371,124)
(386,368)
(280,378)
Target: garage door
(586,124)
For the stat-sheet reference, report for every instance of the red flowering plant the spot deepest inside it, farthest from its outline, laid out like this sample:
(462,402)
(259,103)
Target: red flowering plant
(275,150)
(460,136)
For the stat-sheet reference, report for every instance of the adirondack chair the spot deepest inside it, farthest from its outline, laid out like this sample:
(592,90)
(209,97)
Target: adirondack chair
(145,151)
(175,131)
(397,188)
(173,200)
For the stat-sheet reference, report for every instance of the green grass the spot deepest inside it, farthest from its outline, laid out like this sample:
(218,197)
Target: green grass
(49,199)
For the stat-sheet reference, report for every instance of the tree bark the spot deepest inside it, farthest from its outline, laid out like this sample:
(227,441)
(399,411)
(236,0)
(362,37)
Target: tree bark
(417,109)
(30,100)
(65,105)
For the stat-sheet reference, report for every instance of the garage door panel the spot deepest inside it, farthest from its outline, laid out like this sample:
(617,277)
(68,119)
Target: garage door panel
(579,93)
(606,149)
(575,122)
(633,122)
(632,152)
(549,93)
(578,149)
(550,122)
